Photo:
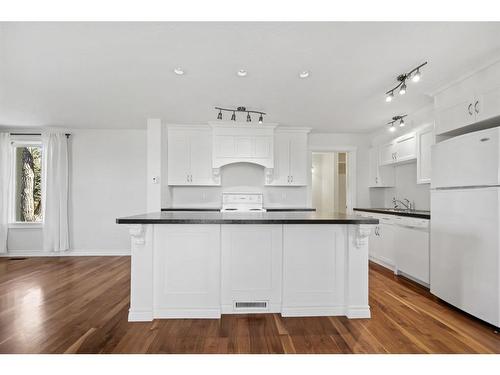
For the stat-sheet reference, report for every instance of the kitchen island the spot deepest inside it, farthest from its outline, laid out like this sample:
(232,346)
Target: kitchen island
(203,264)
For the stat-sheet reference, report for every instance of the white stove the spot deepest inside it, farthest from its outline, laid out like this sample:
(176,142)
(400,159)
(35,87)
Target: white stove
(242,202)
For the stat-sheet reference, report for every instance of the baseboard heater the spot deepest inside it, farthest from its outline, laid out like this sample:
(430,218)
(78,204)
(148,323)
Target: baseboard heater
(261,305)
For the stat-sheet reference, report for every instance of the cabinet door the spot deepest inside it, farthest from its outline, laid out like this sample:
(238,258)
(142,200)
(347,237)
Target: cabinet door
(412,254)
(178,157)
(251,266)
(201,158)
(373,168)
(379,176)
(425,140)
(455,116)
(385,251)
(186,270)
(281,170)
(406,148)
(387,153)
(487,105)
(298,159)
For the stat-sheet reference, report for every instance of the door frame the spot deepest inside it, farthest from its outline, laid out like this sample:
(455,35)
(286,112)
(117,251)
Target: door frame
(351,191)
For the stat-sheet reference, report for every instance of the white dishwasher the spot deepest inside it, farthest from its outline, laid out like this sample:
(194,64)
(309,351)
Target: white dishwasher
(412,253)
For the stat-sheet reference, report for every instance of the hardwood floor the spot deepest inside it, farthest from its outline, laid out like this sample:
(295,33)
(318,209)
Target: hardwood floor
(80,305)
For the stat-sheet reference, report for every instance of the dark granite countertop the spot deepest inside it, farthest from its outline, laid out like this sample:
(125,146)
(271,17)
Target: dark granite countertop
(268,209)
(420,214)
(211,217)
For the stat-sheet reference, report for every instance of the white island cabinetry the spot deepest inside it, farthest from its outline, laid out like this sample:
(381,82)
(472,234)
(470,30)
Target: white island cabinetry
(209,267)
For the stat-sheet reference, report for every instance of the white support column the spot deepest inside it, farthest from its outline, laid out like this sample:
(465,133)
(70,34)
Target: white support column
(357,272)
(141,283)
(154,165)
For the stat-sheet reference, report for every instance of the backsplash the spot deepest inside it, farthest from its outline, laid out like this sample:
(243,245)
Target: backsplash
(239,177)
(406,187)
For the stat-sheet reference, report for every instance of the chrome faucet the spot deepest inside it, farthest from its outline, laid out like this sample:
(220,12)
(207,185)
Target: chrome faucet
(406,204)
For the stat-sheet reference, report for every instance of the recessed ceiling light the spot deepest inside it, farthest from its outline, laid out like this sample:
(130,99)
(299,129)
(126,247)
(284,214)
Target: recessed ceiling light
(179,71)
(304,74)
(242,73)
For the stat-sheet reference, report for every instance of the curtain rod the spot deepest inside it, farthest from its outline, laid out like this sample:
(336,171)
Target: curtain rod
(67,134)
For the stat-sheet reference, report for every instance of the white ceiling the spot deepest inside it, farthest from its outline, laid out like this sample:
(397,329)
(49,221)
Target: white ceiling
(115,75)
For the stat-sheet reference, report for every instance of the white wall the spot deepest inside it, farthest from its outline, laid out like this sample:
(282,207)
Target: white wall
(107,180)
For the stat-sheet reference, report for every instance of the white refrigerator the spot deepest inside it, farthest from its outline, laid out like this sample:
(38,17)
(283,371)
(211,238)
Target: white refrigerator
(465,223)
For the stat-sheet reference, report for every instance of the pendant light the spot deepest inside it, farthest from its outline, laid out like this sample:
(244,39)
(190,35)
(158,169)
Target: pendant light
(219,116)
(233,117)
(249,119)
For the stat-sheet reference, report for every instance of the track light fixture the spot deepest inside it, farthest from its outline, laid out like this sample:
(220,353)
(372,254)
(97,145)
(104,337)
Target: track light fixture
(415,76)
(395,119)
(240,109)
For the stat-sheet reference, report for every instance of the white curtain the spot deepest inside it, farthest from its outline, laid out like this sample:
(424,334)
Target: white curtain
(55,191)
(5,181)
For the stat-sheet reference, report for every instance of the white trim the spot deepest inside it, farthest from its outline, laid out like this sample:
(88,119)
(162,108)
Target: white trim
(187,313)
(313,311)
(358,312)
(68,253)
(25,225)
(140,316)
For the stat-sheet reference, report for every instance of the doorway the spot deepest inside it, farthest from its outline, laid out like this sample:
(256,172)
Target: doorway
(330,181)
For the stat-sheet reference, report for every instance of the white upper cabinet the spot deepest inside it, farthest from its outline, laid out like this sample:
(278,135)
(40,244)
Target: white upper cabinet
(290,158)
(379,176)
(399,150)
(474,100)
(406,148)
(387,152)
(425,140)
(190,156)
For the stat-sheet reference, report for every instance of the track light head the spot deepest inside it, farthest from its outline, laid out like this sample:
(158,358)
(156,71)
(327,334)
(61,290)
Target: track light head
(401,123)
(233,117)
(389,97)
(261,119)
(416,77)
(402,90)
(219,116)
(249,119)
(392,128)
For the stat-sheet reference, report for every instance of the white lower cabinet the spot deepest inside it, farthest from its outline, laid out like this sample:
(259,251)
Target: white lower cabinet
(382,245)
(186,263)
(313,270)
(251,268)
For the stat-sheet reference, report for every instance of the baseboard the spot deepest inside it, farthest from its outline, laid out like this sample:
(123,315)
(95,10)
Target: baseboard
(383,263)
(140,316)
(358,312)
(313,311)
(67,253)
(186,314)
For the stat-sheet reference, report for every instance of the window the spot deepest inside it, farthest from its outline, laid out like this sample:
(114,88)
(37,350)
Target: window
(27,187)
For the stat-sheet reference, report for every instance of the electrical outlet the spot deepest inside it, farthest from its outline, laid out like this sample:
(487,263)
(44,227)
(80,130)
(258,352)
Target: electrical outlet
(156,179)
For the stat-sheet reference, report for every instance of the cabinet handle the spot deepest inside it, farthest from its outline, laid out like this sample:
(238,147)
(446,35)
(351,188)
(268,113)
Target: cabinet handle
(376,180)
(475,106)
(291,179)
(470,109)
